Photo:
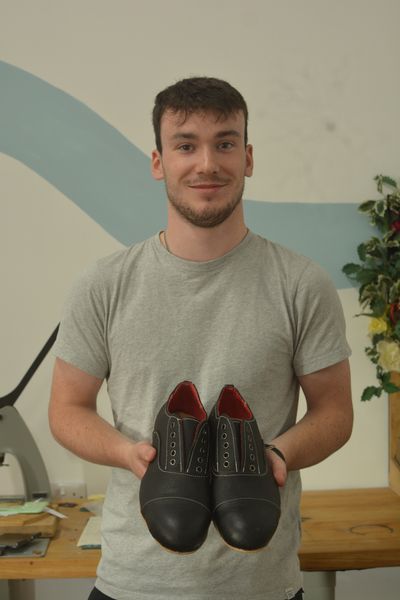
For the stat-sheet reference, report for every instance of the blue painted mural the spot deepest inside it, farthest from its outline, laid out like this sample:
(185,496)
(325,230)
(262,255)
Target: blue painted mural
(108,177)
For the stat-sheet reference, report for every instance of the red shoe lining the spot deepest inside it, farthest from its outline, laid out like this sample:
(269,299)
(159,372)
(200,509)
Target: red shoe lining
(232,404)
(185,398)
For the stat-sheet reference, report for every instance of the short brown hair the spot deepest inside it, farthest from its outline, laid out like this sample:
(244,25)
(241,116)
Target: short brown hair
(198,94)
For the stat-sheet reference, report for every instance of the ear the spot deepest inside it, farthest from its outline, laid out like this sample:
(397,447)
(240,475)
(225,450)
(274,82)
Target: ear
(156,165)
(249,161)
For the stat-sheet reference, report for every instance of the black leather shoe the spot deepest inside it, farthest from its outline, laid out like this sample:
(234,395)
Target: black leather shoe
(175,490)
(245,496)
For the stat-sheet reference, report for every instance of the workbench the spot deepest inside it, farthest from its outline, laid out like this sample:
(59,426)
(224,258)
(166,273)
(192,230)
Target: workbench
(342,530)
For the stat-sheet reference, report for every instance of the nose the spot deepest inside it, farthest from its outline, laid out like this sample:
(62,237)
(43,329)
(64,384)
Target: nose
(207,162)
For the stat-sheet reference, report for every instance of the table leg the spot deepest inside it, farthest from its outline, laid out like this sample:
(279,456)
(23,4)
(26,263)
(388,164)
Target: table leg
(319,585)
(22,588)
(4,595)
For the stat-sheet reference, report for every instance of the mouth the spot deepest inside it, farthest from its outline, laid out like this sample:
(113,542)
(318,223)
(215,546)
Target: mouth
(208,186)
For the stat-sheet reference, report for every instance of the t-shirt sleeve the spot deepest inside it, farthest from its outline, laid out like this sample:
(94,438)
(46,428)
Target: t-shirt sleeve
(81,340)
(320,336)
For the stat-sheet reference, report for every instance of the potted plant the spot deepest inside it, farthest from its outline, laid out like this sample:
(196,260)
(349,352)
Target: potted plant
(378,275)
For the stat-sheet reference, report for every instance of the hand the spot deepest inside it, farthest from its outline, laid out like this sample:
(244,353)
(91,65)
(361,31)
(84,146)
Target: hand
(277,466)
(140,456)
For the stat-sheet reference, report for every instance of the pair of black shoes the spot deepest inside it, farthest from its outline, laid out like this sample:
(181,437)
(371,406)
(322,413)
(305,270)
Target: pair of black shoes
(195,479)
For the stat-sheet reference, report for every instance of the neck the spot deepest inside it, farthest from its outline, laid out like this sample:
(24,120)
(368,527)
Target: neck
(190,242)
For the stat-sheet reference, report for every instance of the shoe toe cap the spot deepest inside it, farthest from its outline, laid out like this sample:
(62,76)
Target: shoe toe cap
(179,525)
(247,524)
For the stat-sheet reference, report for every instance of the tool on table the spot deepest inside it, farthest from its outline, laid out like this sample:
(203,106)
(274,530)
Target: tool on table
(16,439)
(23,546)
(14,541)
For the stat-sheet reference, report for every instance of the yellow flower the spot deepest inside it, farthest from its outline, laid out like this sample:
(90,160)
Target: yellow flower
(389,355)
(377,326)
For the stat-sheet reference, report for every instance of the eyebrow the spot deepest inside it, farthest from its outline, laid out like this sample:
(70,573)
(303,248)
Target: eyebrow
(193,136)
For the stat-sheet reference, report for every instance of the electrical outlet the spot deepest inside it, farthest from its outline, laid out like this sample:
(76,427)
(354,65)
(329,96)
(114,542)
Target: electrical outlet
(70,489)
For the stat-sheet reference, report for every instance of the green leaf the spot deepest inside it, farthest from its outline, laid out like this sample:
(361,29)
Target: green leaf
(382,180)
(378,179)
(361,251)
(378,306)
(388,386)
(377,337)
(366,276)
(366,206)
(373,357)
(389,181)
(380,208)
(369,392)
(351,269)
(388,236)
(394,292)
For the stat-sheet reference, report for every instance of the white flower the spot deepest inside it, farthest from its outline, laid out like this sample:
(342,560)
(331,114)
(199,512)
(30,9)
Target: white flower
(389,355)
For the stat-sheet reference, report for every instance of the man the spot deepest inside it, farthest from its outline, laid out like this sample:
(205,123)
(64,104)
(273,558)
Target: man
(208,301)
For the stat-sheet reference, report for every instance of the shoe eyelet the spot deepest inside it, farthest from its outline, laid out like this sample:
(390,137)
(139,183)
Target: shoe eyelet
(172,461)
(172,424)
(173,453)
(202,451)
(224,436)
(199,470)
(252,457)
(226,445)
(226,454)
(173,444)
(223,425)
(173,434)
(251,447)
(226,464)
(252,468)
(199,459)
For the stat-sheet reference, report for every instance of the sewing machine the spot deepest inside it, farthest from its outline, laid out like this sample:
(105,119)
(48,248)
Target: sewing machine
(16,439)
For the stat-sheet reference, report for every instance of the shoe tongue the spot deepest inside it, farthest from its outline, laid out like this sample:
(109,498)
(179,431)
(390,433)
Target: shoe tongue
(189,427)
(238,439)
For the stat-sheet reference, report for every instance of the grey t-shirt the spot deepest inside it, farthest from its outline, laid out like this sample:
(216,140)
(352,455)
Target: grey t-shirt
(144,319)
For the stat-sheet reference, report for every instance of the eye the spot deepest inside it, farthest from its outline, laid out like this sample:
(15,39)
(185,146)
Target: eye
(185,147)
(226,146)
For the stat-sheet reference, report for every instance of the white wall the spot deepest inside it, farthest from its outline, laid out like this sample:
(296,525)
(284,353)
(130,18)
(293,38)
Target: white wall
(320,79)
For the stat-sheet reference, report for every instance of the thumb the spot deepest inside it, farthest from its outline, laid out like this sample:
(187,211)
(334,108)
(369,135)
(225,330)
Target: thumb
(278,467)
(146,452)
(279,473)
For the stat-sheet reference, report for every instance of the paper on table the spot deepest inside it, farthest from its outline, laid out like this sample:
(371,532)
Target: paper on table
(91,535)
(24,509)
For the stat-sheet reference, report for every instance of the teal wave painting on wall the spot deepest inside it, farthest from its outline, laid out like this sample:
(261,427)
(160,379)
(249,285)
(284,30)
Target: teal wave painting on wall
(107,176)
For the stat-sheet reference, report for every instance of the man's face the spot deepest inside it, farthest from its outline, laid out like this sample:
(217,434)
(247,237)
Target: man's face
(204,162)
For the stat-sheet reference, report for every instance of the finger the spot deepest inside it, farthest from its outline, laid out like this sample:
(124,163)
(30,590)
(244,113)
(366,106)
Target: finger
(278,468)
(280,474)
(145,451)
(148,453)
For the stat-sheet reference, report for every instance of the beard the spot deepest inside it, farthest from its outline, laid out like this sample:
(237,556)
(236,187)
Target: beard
(208,217)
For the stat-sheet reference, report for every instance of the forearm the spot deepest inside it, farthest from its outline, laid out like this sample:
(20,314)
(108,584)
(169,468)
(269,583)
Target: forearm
(328,422)
(315,437)
(82,431)
(76,425)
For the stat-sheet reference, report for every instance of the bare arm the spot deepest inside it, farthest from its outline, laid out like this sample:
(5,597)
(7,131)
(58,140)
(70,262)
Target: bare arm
(325,427)
(76,425)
